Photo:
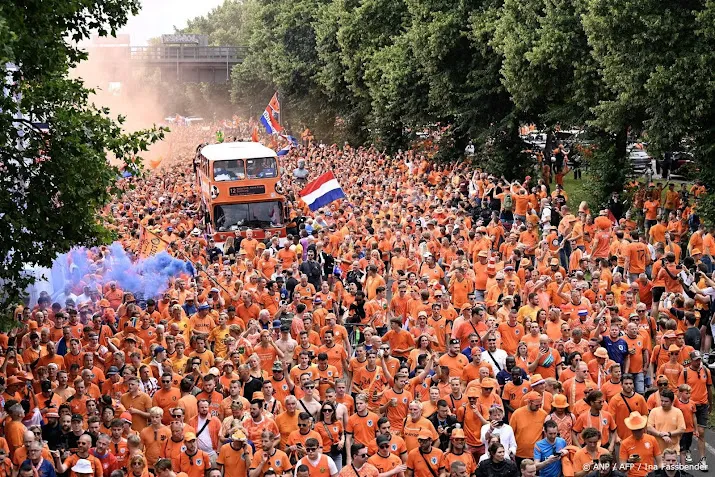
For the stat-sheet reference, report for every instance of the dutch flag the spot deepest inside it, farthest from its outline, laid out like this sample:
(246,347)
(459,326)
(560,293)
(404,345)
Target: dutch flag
(322,191)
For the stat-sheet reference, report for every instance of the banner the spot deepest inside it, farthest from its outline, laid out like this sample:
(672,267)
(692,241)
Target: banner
(150,244)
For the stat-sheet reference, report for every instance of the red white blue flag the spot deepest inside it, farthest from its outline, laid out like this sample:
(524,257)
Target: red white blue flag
(322,191)
(271,116)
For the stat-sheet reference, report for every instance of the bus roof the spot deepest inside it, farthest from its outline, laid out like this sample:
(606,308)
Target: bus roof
(236,150)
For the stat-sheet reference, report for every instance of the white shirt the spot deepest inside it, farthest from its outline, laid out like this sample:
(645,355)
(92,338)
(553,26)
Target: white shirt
(305,460)
(499,361)
(204,439)
(506,437)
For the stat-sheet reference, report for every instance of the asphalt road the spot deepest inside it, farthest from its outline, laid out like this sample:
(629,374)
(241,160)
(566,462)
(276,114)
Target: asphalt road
(710,450)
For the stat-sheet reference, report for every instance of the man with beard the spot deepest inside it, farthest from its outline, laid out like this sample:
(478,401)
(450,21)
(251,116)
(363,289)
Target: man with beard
(424,460)
(235,457)
(82,452)
(51,430)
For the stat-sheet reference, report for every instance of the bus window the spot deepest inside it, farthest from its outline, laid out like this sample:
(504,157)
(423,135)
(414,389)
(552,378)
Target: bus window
(261,168)
(232,170)
(252,214)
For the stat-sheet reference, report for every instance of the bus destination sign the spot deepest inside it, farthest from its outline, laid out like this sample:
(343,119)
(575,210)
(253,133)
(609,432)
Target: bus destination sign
(247,190)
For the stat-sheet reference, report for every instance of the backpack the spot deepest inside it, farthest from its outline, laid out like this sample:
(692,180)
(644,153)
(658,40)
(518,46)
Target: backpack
(508,202)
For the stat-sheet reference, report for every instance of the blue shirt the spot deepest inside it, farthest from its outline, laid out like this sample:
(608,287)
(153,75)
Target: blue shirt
(617,350)
(545,449)
(46,469)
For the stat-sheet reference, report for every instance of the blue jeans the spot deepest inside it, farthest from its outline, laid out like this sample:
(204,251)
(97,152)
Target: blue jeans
(338,459)
(639,382)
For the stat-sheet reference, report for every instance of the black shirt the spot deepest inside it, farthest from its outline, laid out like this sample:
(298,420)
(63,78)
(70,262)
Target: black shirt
(692,337)
(254,385)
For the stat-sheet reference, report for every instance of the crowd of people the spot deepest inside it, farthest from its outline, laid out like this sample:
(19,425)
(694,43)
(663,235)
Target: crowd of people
(439,321)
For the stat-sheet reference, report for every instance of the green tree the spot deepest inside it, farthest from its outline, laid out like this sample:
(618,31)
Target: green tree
(229,24)
(55,182)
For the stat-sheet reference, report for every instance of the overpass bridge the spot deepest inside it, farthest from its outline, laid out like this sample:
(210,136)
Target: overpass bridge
(176,63)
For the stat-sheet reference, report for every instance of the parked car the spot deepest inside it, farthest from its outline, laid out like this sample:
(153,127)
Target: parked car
(641,161)
(680,162)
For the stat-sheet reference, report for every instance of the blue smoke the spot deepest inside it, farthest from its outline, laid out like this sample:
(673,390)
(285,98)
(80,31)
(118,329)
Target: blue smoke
(145,278)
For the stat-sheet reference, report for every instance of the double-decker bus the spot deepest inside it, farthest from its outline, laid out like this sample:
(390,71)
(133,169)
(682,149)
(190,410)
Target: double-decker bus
(240,190)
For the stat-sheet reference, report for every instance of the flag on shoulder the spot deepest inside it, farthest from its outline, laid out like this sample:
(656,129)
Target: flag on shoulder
(292,142)
(322,191)
(271,116)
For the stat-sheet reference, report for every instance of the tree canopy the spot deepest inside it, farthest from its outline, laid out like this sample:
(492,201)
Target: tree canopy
(54,144)
(621,70)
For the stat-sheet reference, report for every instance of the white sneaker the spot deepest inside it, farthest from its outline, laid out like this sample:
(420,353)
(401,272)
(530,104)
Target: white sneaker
(703,465)
(688,457)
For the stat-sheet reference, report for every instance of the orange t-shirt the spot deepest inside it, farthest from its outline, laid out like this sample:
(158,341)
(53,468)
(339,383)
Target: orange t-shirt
(528,426)
(646,448)
(364,429)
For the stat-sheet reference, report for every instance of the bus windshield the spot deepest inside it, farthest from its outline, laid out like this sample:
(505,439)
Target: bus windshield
(228,217)
(230,170)
(261,168)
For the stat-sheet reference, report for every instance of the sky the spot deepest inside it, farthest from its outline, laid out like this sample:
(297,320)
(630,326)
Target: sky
(158,17)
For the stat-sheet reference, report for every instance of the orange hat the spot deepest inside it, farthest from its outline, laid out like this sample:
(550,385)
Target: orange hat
(483,254)
(673,348)
(601,352)
(636,421)
(473,392)
(424,434)
(189,436)
(560,401)
(258,395)
(125,416)
(457,433)
(12,380)
(535,380)
(466,306)
(33,325)
(669,334)
(532,396)
(696,251)
(489,383)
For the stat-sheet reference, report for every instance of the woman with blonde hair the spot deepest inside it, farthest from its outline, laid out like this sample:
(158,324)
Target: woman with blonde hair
(137,467)
(522,355)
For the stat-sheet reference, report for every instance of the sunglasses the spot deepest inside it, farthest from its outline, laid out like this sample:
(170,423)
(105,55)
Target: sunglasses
(327,410)
(166,382)
(302,425)
(384,446)
(311,449)
(363,455)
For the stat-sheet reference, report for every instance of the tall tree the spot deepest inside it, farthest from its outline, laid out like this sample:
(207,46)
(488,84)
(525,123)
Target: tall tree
(54,181)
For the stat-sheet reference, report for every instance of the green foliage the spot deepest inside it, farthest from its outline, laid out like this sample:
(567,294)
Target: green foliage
(608,170)
(383,69)
(53,184)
